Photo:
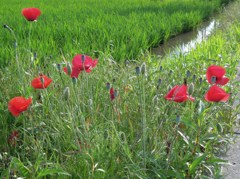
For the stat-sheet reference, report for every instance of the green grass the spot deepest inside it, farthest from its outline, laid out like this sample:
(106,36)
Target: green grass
(119,28)
(137,135)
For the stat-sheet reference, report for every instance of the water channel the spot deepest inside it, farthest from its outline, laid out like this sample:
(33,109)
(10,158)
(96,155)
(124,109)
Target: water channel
(184,43)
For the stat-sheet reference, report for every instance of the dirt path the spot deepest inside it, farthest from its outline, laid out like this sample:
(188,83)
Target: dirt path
(232,171)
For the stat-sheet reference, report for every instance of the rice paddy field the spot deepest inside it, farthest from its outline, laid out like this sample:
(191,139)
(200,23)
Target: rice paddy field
(122,29)
(117,111)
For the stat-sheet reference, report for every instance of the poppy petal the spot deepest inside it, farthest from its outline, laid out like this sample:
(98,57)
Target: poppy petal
(222,81)
(169,95)
(178,94)
(75,72)
(216,94)
(41,82)
(216,71)
(18,104)
(31,14)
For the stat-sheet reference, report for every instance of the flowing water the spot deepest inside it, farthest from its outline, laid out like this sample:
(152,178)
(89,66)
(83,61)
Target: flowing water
(184,43)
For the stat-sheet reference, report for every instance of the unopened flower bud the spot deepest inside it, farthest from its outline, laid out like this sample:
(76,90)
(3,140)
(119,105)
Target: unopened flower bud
(115,93)
(194,77)
(69,68)
(159,81)
(59,67)
(74,80)
(200,80)
(108,86)
(160,68)
(143,68)
(188,73)
(178,118)
(15,45)
(213,79)
(137,70)
(170,72)
(191,88)
(7,27)
(34,55)
(66,93)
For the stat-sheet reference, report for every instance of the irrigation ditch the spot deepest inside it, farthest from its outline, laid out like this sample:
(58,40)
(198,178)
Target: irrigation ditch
(186,42)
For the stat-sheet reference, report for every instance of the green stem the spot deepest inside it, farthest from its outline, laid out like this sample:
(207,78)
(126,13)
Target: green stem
(143,120)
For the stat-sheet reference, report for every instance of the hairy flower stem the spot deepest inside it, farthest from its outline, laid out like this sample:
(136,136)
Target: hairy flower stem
(143,112)
(74,123)
(29,40)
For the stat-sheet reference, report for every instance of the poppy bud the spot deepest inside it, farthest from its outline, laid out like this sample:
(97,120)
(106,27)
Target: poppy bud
(74,80)
(194,77)
(7,27)
(137,70)
(213,79)
(34,55)
(159,83)
(108,86)
(200,80)
(160,68)
(69,68)
(66,93)
(15,45)
(143,68)
(178,118)
(59,67)
(191,88)
(115,93)
(188,73)
(170,72)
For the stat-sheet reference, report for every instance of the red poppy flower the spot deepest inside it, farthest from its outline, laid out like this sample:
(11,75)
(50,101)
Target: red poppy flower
(218,72)
(75,72)
(18,104)
(41,82)
(216,94)
(112,95)
(31,14)
(12,140)
(178,94)
(81,62)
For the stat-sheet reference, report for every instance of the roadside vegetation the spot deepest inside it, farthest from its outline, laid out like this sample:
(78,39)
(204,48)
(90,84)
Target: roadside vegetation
(70,115)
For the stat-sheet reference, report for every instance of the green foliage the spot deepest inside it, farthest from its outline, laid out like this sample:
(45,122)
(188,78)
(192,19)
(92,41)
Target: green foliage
(138,134)
(120,28)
